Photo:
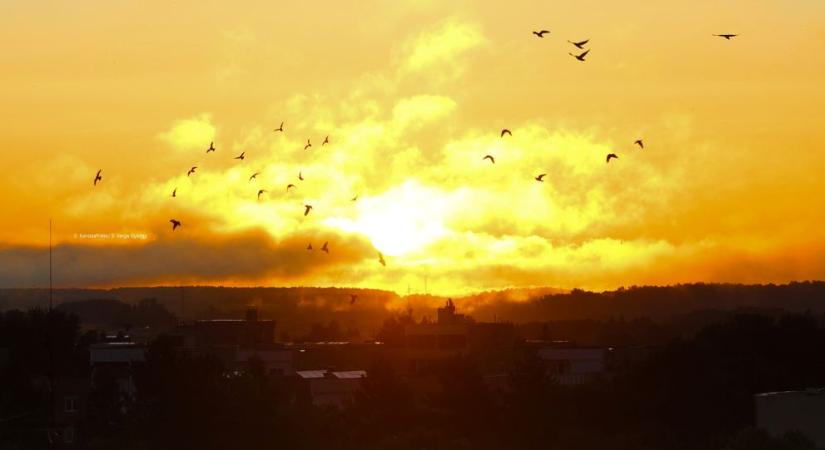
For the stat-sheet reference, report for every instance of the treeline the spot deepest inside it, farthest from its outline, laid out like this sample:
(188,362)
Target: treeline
(659,302)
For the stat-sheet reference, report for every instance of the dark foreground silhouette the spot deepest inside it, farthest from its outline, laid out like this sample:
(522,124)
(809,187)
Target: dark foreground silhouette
(693,392)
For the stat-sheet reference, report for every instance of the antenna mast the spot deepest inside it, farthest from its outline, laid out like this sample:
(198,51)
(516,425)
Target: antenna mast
(50,264)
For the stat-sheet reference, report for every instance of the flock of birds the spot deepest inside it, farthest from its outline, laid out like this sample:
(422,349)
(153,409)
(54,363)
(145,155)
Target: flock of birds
(580,45)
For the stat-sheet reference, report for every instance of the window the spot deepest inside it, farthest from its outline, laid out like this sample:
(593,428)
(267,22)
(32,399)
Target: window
(68,435)
(71,404)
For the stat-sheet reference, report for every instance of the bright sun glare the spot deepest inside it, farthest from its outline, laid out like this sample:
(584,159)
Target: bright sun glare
(401,220)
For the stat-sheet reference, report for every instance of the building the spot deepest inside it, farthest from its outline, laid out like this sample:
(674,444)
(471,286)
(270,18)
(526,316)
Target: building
(568,364)
(69,410)
(237,343)
(802,411)
(428,343)
(274,361)
(328,387)
(456,335)
(249,332)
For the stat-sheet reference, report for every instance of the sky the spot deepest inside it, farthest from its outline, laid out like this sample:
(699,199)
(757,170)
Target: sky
(413,95)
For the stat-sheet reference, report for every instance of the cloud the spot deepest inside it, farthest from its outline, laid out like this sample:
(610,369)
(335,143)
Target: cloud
(188,134)
(441,46)
(248,257)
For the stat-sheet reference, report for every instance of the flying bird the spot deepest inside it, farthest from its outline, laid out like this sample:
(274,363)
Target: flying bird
(97,177)
(326,141)
(540,33)
(254,175)
(211,147)
(726,36)
(610,156)
(241,156)
(580,44)
(290,185)
(260,191)
(308,145)
(639,143)
(580,57)
(281,128)
(492,160)
(307,209)
(354,198)
(505,131)
(352,299)
(381,259)
(174,223)
(300,177)
(540,178)
(309,247)
(175,192)
(325,248)
(191,171)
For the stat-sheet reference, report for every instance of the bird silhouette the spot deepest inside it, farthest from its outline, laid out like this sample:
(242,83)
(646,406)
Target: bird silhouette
(540,178)
(241,156)
(175,192)
(191,171)
(175,224)
(309,247)
(254,175)
(290,185)
(581,56)
(260,191)
(211,147)
(300,176)
(505,131)
(639,143)
(726,36)
(281,128)
(325,247)
(354,198)
(352,299)
(492,160)
(610,156)
(307,209)
(540,33)
(309,144)
(97,177)
(326,141)
(381,259)
(580,44)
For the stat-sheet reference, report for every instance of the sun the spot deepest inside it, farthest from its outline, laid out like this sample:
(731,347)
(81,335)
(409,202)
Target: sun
(400,221)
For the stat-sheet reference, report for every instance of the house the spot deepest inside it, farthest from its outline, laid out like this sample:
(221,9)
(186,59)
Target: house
(802,411)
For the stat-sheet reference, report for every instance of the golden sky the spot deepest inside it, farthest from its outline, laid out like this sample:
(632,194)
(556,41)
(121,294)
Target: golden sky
(413,95)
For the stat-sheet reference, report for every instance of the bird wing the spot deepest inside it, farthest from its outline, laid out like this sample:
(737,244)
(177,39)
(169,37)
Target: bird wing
(584,54)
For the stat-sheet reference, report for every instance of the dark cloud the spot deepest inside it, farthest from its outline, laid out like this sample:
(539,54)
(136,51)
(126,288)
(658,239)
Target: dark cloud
(249,256)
